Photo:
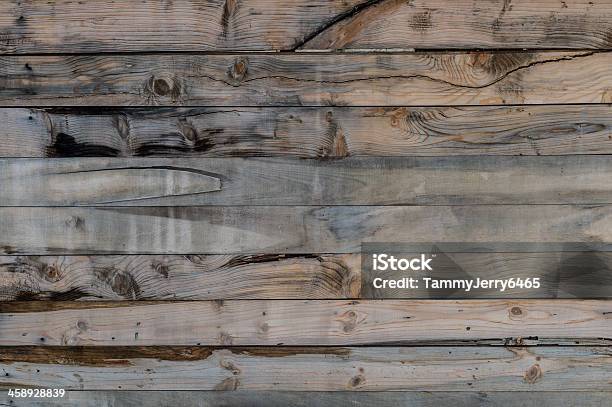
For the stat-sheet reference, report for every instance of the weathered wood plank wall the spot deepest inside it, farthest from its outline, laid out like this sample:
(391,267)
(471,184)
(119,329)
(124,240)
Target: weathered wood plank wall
(185,187)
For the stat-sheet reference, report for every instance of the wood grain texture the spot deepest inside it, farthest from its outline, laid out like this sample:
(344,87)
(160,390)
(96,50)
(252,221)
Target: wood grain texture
(300,323)
(271,398)
(179,277)
(299,229)
(311,369)
(329,132)
(274,181)
(199,25)
(159,230)
(312,276)
(296,79)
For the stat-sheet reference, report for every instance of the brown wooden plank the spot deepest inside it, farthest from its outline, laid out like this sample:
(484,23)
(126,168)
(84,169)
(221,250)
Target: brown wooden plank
(299,229)
(562,275)
(312,322)
(296,79)
(179,277)
(306,132)
(274,181)
(272,398)
(199,25)
(310,369)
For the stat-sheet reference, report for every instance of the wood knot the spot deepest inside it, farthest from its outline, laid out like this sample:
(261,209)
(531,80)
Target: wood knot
(120,282)
(82,325)
(533,374)
(76,222)
(516,313)
(188,131)
(122,125)
(163,86)
(52,272)
(357,381)
(239,69)
(479,59)
(349,321)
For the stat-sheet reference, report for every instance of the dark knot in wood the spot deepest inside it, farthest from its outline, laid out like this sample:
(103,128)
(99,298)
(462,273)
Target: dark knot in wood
(239,69)
(161,87)
(164,86)
(516,311)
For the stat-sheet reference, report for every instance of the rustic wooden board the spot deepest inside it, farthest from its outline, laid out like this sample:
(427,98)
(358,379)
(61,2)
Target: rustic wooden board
(271,398)
(296,79)
(172,277)
(179,277)
(310,369)
(274,181)
(299,229)
(199,25)
(329,132)
(310,322)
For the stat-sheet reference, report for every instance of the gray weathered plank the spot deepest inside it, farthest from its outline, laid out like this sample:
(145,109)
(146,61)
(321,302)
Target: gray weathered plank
(297,79)
(179,277)
(310,369)
(306,132)
(199,25)
(274,181)
(310,322)
(298,229)
(271,398)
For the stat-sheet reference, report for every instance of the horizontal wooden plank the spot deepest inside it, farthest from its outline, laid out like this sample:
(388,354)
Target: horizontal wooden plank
(179,277)
(329,132)
(310,369)
(90,26)
(272,398)
(299,229)
(312,322)
(172,277)
(274,181)
(296,79)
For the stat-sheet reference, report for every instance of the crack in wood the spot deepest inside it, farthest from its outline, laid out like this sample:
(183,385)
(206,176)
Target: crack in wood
(337,19)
